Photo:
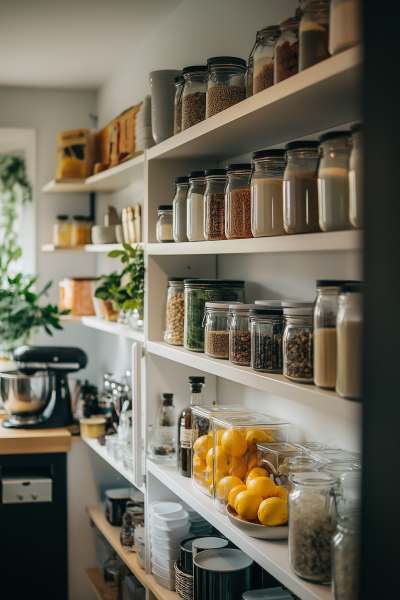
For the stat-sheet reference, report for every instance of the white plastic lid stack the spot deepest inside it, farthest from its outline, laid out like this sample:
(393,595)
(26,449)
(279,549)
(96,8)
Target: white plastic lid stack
(268,594)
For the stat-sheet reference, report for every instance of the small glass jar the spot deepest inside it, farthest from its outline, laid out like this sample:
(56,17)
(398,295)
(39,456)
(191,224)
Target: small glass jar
(345,25)
(134,514)
(62,231)
(112,578)
(239,334)
(194,96)
(287,50)
(346,551)
(214,204)
(164,228)
(356,176)
(313,33)
(195,209)
(216,330)
(267,193)
(249,76)
(333,181)
(162,444)
(264,58)
(238,202)
(266,327)
(178,104)
(226,83)
(300,188)
(175,312)
(349,326)
(298,345)
(79,231)
(179,206)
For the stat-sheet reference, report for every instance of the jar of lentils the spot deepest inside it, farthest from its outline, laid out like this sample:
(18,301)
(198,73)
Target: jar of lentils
(194,96)
(214,204)
(298,344)
(216,330)
(266,328)
(226,83)
(287,50)
(264,58)
(238,201)
(179,209)
(239,334)
(178,105)
(175,312)
(195,209)
(267,193)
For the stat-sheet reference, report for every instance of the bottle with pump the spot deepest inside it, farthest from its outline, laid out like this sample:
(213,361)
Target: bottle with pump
(196,385)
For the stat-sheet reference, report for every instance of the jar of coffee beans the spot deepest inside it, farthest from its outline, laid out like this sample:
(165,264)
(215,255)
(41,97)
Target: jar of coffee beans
(287,50)
(216,330)
(175,312)
(214,204)
(178,105)
(298,344)
(194,96)
(239,334)
(238,201)
(266,327)
(226,83)
(264,58)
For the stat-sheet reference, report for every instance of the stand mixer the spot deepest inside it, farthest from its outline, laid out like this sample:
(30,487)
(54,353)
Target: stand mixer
(37,394)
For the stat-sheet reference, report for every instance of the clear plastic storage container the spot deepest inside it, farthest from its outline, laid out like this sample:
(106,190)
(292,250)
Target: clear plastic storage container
(356,176)
(238,201)
(239,334)
(349,340)
(179,209)
(178,105)
(164,229)
(345,25)
(195,208)
(313,33)
(274,458)
(287,50)
(266,327)
(194,96)
(226,83)
(175,312)
(214,204)
(264,58)
(267,193)
(216,329)
(298,344)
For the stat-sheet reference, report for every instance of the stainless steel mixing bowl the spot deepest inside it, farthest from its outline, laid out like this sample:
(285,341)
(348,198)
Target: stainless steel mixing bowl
(26,397)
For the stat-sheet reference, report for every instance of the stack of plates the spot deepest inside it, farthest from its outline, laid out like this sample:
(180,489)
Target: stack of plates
(143,130)
(199,527)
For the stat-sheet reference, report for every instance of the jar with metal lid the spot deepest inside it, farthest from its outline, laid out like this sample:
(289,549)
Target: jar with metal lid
(300,188)
(266,328)
(264,58)
(298,344)
(178,104)
(179,205)
(267,168)
(239,334)
(226,83)
(313,33)
(333,181)
(238,201)
(79,231)
(216,330)
(356,176)
(195,209)
(62,231)
(287,50)
(345,25)
(349,326)
(214,204)
(194,96)
(175,312)
(164,228)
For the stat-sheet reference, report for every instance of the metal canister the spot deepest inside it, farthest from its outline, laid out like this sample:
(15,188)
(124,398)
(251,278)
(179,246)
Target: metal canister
(221,573)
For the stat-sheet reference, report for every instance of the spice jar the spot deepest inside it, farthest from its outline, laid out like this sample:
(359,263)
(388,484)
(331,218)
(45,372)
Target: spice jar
(164,229)
(238,201)
(312,524)
(313,33)
(214,204)
(62,231)
(264,58)
(287,50)
(266,327)
(298,344)
(179,209)
(178,104)
(79,234)
(226,83)
(356,176)
(195,209)
(175,312)
(300,188)
(194,96)
(239,334)
(345,25)
(349,325)
(267,193)
(216,330)
(162,444)
(333,181)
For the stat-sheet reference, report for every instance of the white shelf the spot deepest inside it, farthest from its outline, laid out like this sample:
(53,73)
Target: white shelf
(68,186)
(115,328)
(87,248)
(272,556)
(70,319)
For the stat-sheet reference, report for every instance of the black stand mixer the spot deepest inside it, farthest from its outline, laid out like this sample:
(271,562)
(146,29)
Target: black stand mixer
(37,395)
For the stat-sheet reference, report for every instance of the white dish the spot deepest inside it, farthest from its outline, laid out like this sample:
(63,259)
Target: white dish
(170,534)
(167,510)
(161,561)
(170,544)
(166,553)
(167,583)
(167,573)
(169,523)
(261,532)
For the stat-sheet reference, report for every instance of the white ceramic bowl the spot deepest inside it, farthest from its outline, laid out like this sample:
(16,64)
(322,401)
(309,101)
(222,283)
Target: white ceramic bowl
(103,235)
(167,583)
(170,534)
(167,510)
(162,572)
(262,532)
(161,561)
(170,544)
(166,553)
(169,523)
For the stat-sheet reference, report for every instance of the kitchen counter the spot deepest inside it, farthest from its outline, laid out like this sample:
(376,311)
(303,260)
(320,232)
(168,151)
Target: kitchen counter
(34,441)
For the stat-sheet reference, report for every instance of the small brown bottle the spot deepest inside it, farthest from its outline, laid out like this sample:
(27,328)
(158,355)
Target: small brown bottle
(185,426)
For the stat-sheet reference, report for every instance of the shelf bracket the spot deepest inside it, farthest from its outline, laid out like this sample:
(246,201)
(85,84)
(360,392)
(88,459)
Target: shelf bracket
(93,207)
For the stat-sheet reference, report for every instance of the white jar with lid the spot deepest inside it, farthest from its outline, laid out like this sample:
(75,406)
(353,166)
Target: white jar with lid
(267,170)
(349,327)
(195,207)
(164,229)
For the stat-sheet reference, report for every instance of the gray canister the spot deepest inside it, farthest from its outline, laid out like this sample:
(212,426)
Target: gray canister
(221,574)
(208,543)
(162,84)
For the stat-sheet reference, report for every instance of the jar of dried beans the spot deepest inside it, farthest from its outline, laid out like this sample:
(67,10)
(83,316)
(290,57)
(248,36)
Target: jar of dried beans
(216,331)
(313,33)
(239,334)
(214,204)
(226,83)
(179,209)
(266,327)
(178,105)
(175,312)
(237,201)
(298,344)
(194,96)
(287,50)
(195,209)
(264,58)
(267,193)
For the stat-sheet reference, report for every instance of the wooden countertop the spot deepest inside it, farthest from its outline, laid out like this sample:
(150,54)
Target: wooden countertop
(34,441)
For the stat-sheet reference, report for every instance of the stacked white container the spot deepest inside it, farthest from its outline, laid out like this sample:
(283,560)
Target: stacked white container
(143,130)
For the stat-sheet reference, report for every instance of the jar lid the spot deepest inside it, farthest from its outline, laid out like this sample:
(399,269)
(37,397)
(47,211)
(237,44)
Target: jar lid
(176,278)
(239,167)
(207,411)
(328,455)
(181,179)
(233,60)
(266,311)
(249,419)
(217,305)
(195,379)
(355,287)
(194,174)
(236,282)
(269,302)
(331,135)
(333,282)
(271,30)
(315,479)
(196,69)
(79,217)
(235,306)
(291,22)
(277,153)
(297,304)
(211,172)
(298,312)
(165,207)
(62,217)
(357,127)
(304,144)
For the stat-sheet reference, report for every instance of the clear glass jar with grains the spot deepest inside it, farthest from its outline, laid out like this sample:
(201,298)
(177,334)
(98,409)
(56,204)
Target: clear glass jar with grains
(194,96)
(175,312)
(264,58)
(298,344)
(238,201)
(226,83)
(178,105)
(214,204)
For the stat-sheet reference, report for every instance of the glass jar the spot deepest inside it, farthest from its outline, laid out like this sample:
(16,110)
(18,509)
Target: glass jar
(266,327)
(249,76)
(264,58)
(301,464)
(349,326)
(216,330)
(140,543)
(195,209)
(79,231)
(164,229)
(345,25)
(313,33)
(112,578)
(298,345)
(179,205)
(134,514)
(175,312)
(300,188)
(346,550)
(356,176)
(214,204)
(339,468)
(312,524)
(267,169)
(238,202)
(226,83)
(62,231)
(274,458)
(333,181)
(178,104)
(166,414)
(194,96)
(162,444)
(287,50)
(239,334)
(185,434)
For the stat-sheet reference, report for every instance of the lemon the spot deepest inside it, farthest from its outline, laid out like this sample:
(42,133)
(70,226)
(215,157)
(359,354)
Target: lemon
(238,468)
(199,465)
(256,472)
(273,512)
(226,485)
(211,490)
(263,486)
(210,433)
(234,492)
(247,503)
(208,475)
(218,436)
(281,493)
(200,480)
(252,461)
(222,462)
(234,442)
(209,458)
(242,518)
(255,436)
(202,445)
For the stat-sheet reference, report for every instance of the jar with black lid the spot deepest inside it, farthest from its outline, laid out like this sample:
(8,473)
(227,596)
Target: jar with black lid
(313,33)
(164,229)
(264,58)
(267,170)
(214,204)
(175,312)
(226,83)
(238,201)
(239,334)
(194,96)
(266,327)
(178,104)
(195,209)
(287,50)
(298,344)
(179,209)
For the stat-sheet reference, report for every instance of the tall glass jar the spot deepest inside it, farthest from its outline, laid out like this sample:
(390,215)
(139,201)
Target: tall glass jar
(312,524)
(356,176)
(179,205)
(62,231)
(313,33)
(298,345)
(264,58)
(216,330)
(300,188)
(345,25)
(266,327)
(195,209)
(267,193)
(175,312)
(333,181)
(226,83)
(194,96)
(287,50)
(238,201)
(164,229)
(301,464)
(249,76)
(178,104)
(239,334)
(214,204)
(349,340)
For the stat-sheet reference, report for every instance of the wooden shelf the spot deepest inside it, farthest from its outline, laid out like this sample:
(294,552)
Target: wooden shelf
(159,591)
(70,319)
(115,328)
(96,581)
(34,441)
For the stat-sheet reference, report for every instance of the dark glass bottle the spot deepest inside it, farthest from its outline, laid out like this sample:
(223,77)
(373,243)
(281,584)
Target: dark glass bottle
(185,426)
